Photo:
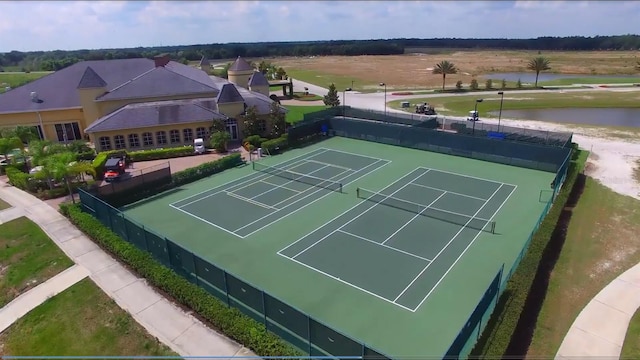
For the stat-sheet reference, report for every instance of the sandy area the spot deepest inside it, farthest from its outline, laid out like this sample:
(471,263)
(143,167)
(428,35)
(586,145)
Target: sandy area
(612,160)
(411,71)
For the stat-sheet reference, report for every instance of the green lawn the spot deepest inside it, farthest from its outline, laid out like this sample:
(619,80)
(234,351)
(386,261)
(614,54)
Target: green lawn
(296,113)
(27,258)
(4,205)
(460,105)
(14,80)
(636,171)
(82,320)
(631,346)
(601,243)
(324,80)
(602,80)
(300,96)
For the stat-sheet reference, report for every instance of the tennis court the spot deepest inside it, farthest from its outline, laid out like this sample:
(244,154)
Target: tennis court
(398,243)
(277,191)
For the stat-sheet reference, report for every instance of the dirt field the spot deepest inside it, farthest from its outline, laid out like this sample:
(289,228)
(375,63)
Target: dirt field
(414,70)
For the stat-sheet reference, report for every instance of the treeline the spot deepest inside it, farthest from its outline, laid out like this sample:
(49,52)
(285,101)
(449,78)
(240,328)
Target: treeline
(55,60)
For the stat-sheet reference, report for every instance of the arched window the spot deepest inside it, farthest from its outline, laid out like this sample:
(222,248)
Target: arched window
(147,139)
(161,138)
(119,143)
(188,135)
(174,136)
(134,141)
(105,143)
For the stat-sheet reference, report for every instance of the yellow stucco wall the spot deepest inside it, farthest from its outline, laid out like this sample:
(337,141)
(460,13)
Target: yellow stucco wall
(264,90)
(49,120)
(231,110)
(89,106)
(95,137)
(240,78)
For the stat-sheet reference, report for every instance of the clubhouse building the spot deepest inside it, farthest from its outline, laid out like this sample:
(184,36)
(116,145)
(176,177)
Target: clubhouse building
(136,104)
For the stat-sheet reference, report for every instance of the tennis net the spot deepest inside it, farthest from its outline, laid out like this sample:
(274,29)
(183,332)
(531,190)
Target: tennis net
(424,210)
(302,178)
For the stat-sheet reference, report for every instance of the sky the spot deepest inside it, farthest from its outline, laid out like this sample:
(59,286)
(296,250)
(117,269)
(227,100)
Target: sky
(70,25)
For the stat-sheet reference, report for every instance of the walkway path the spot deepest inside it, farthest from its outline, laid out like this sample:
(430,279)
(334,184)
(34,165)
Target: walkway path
(180,331)
(600,328)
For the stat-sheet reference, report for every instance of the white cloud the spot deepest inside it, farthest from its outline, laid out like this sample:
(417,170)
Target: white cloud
(107,24)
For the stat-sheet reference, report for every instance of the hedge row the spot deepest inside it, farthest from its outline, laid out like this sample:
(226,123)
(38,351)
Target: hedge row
(498,335)
(159,154)
(275,145)
(179,178)
(230,321)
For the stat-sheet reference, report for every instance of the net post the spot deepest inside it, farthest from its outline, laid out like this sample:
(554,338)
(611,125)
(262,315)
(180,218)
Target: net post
(253,165)
(358,193)
(493,227)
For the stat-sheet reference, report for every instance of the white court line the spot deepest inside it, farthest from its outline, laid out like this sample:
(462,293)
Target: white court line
(344,212)
(203,220)
(387,162)
(354,154)
(355,217)
(292,181)
(469,176)
(385,246)
(447,245)
(250,201)
(276,185)
(328,164)
(344,282)
(414,217)
(450,192)
(463,251)
(304,197)
(311,188)
(272,176)
(249,178)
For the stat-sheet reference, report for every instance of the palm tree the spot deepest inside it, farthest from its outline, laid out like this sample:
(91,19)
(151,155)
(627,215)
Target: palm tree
(7,144)
(445,67)
(63,167)
(538,64)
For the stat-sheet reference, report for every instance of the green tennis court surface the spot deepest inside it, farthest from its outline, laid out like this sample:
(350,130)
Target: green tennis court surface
(417,226)
(391,246)
(278,191)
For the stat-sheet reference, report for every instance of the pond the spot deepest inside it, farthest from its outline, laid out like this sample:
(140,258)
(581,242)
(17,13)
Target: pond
(530,77)
(629,117)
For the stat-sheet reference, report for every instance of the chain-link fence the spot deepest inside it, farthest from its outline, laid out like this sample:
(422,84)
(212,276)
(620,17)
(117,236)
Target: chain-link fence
(132,179)
(298,328)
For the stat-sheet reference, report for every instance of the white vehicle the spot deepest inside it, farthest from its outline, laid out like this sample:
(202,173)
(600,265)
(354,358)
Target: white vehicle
(198,146)
(473,116)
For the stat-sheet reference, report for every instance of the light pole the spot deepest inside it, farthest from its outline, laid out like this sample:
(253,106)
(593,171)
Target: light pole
(475,115)
(344,101)
(501,93)
(351,84)
(385,99)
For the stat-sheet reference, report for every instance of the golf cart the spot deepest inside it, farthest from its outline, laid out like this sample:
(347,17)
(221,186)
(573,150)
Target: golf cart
(473,116)
(114,168)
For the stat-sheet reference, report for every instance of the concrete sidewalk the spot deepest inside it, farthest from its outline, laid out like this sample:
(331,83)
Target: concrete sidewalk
(600,328)
(28,301)
(182,332)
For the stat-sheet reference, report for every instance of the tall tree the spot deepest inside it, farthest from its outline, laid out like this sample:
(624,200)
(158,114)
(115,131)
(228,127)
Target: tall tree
(444,68)
(332,99)
(251,122)
(218,125)
(63,167)
(538,64)
(7,144)
(277,119)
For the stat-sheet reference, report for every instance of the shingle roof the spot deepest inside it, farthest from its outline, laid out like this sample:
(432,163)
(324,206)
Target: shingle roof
(204,63)
(260,101)
(154,114)
(240,65)
(90,79)
(157,82)
(258,79)
(58,90)
(229,93)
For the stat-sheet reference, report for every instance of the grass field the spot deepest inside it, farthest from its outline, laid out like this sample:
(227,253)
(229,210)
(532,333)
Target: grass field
(4,205)
(14,80)
(631,347)
(601,243)
(410,71)
(636,171)
(28,258)
(460,105)
(602,80)
(296,113)
(79,321)
(330,259)
(300,96)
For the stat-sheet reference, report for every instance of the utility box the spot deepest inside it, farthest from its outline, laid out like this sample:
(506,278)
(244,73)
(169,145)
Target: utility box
(405,104)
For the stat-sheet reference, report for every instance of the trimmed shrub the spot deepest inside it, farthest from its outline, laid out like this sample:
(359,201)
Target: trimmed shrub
(18,178)
(159,154)
(254,140)
(229,321)
(275,145)
(498,335)
(98,164)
